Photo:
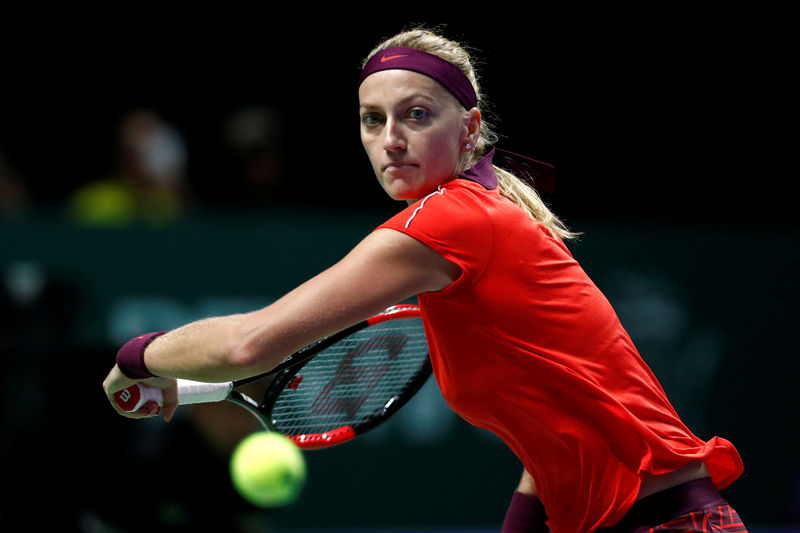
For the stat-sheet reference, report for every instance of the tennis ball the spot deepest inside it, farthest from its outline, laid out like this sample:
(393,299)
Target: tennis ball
(268,469)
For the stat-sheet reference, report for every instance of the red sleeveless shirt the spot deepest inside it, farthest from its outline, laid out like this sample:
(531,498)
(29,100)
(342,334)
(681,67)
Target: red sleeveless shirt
(525,345)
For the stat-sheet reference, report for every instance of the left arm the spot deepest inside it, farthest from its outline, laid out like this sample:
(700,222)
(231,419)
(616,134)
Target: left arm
(525,514)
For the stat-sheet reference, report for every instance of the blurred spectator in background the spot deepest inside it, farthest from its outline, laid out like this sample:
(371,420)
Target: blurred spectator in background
(253,138)
(14,195)
(150,179)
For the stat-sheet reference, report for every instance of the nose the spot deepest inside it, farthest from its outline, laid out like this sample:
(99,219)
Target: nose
(394,139)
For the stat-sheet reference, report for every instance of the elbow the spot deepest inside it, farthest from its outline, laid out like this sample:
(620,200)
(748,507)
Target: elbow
(244,354)
(248,350)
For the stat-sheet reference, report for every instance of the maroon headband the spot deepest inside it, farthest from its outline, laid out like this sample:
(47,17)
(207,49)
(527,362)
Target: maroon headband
(447,74)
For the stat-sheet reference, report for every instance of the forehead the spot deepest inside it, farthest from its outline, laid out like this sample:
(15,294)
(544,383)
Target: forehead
(388,86)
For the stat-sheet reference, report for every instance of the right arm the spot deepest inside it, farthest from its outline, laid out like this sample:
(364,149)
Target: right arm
(387,267)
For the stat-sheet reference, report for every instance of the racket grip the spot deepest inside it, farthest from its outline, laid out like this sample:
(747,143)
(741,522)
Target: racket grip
(189,392)
(135,396)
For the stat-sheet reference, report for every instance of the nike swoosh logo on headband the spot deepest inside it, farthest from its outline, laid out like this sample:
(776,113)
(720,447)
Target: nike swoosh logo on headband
(389,58)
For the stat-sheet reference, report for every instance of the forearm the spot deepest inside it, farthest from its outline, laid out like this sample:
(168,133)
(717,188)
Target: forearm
(203,350)
(242,345)
(527,485)
(238,346)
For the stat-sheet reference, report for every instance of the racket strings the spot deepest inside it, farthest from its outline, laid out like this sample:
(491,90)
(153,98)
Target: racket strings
(352,380)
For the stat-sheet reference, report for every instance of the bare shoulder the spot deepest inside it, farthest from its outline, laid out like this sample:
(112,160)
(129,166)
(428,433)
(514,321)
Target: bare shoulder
(390,251)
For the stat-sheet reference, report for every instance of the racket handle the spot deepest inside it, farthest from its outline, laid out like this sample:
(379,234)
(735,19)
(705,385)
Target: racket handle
(135,396)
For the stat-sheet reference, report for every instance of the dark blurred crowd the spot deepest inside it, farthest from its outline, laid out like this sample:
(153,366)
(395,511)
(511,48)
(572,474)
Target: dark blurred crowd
(150,176)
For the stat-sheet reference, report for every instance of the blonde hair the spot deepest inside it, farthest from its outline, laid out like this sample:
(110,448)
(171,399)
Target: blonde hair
(510,186)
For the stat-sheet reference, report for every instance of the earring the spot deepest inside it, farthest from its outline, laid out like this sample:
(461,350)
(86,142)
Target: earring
(468,147)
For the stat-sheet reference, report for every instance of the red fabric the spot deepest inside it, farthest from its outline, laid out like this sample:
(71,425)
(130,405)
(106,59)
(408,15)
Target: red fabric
(525,345)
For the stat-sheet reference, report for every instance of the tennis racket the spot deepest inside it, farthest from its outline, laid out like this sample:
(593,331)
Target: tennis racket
(330,391)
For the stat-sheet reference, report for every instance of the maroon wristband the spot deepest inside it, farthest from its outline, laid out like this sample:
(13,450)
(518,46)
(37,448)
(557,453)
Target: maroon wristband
(525,514)
(130,358)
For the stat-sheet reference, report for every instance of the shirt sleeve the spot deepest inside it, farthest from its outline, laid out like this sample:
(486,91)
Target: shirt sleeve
(453,222)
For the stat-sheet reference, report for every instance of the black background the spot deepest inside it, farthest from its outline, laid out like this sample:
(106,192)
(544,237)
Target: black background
(662,113)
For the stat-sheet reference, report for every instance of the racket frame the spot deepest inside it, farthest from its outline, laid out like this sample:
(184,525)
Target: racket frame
(284,376)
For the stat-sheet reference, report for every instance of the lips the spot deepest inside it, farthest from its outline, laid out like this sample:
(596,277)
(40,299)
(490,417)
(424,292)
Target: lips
(399,165)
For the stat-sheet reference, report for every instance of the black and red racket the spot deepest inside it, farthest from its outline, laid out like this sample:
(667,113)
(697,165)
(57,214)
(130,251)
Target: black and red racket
(330,391)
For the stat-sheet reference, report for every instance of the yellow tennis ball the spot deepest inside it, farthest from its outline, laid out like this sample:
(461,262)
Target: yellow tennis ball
(268,469)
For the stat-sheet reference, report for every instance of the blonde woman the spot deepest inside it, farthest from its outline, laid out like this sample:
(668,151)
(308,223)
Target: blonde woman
(522,341)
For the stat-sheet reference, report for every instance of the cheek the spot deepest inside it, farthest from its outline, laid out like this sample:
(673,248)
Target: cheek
(443,153)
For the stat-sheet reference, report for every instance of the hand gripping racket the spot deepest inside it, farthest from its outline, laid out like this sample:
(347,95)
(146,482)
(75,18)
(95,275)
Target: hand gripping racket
(330,391)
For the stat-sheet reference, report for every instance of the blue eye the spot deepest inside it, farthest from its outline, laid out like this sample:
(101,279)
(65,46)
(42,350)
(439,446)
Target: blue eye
(417,114)
(371,119)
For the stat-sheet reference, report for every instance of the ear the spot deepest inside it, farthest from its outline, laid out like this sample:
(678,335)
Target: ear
(473,126)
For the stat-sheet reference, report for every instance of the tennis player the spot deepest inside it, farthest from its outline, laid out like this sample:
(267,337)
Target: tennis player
(522,342)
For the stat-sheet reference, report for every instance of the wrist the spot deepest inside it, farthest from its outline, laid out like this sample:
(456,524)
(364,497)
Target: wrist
(130,358)
(525,514)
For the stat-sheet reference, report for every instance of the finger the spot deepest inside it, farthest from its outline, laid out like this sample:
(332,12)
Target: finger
(170,402)
(149,409)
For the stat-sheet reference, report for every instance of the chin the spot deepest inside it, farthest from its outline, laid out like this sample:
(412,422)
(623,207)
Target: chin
(397,191)
(407,195)
(407,190)
(402,197)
